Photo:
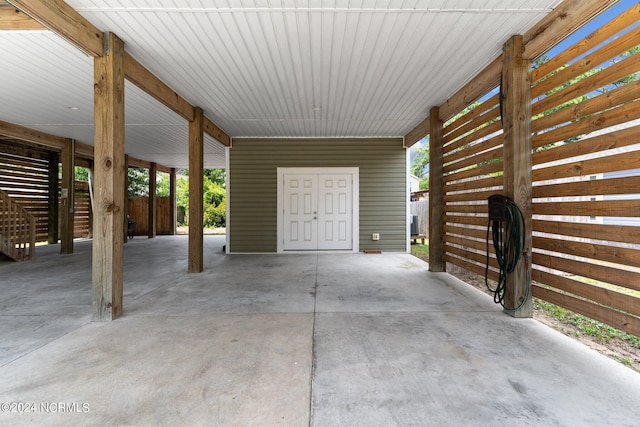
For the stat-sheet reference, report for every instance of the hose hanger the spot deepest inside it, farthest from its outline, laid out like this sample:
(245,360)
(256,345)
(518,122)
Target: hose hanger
(506,222)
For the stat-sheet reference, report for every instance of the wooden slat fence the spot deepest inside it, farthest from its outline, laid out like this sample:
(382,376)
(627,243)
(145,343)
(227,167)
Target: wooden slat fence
(139,212)
(24,177)
(586,126)
(472,158)
(82,217)
(420,208)
(17,230)
(586,177)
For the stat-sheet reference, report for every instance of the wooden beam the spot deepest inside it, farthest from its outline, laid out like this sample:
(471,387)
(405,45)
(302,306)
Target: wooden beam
(565,19)
(153,202)
(516,122)
(63,20)
(436,193)
(417,133)
(32,135)
(107,262)
(139,163)
(83,151)
(67,198)
(13,19)
(48,140)
(196,165)
(216,133)
(482,83)
(137,74)
(173,201)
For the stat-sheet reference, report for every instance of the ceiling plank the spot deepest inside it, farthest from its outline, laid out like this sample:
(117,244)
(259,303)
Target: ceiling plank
(63,20)
(13,19)
(216,133)
(137,74)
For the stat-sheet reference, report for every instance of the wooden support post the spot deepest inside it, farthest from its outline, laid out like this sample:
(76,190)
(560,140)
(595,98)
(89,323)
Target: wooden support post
(107,263)
(196,165)
(92,202)
(516,122)
(153,200)
(125,211)
(53,206)
(436,192)
(66,198)
(173,201)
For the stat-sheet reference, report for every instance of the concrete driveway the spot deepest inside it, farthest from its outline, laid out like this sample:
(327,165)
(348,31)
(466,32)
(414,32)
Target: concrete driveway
(286,340)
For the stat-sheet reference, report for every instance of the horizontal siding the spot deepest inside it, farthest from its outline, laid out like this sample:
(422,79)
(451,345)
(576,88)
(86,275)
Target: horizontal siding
(252,178)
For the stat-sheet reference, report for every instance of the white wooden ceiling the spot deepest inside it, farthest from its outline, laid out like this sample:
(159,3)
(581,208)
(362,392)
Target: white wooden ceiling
(264,68)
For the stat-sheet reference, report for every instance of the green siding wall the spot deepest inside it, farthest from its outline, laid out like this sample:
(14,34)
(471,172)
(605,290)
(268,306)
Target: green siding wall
(252,179)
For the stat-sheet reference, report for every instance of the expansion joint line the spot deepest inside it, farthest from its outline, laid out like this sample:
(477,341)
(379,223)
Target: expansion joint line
(313,341)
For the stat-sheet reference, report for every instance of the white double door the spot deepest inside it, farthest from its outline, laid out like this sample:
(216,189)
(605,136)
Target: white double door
(318,211)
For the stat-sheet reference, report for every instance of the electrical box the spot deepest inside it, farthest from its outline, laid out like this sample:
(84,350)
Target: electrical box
(375,236)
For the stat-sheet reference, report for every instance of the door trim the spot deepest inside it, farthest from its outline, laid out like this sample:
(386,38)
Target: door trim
(355,200)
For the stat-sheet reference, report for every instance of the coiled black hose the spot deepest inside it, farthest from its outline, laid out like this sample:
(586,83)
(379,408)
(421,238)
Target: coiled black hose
(508,241)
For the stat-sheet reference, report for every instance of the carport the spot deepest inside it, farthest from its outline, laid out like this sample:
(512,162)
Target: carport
(317,339)
(332,94)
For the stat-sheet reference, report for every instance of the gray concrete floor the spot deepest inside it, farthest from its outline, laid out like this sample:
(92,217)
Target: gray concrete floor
(290,340)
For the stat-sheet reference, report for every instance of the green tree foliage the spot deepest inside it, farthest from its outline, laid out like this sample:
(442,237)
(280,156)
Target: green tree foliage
(420,161)
(214,194)
(138,182)
(81,174)
(163,185)
(419,165)
(214,199)
(217,176)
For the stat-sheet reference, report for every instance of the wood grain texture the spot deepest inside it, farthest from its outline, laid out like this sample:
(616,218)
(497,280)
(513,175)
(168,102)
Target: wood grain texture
(610,233)
(560,23)
(109,185)
(436,192)
(13,19)
(67,199)
(516,120)
(137,74)
(417,133)
(153,203)
(624,20)
(598,294)
(603,273)
(173,213)
(63,20)
(216,133)
(617,319)
(196,165)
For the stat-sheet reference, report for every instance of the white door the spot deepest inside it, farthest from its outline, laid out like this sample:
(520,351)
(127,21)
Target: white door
(300,212)
(318,212)
(334,212)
